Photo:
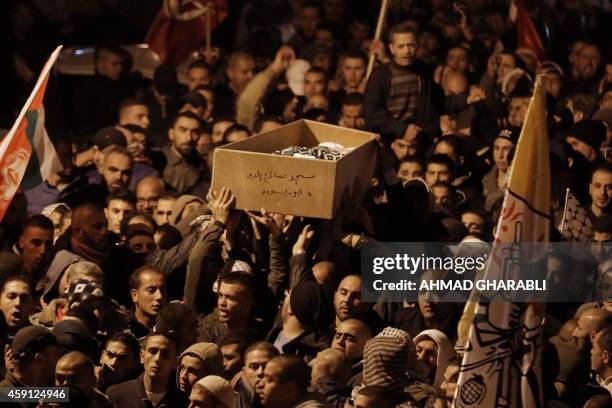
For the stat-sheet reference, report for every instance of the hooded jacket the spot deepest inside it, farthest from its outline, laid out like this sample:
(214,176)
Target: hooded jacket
(446,351)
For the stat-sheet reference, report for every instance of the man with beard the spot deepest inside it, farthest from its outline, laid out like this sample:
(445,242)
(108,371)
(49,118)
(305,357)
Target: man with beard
(148,292)
(119,361)
(155,386)
(35,245)
(117,166)
(348,305)
(184,164)
(255,359)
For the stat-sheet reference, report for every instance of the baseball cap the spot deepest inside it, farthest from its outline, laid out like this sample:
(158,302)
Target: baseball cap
(109,136)
(31,339)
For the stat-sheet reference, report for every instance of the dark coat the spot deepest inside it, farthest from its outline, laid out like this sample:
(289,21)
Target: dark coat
(132,394)
(379,120)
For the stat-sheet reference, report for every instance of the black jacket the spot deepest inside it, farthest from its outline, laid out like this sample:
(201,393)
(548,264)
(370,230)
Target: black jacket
(132,394)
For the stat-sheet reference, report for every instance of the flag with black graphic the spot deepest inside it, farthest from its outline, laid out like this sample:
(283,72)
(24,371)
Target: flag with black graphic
(503,339)
(576,224)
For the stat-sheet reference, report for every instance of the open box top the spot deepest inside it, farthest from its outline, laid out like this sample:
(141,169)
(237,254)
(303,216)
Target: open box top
(306,133)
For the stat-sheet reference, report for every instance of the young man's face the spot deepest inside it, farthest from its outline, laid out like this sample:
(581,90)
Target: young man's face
(353,71)
(117,361)
(35,242)
(151,293)
(197,76)
(404,47)
(158,358)
(589,58)
(584,149)
(234,302)
(501,149)
(184,135)
(271,390)
(506,64)
(240,75)
(109,65)
(473,222)
(117,171)
(254,365)
(457,58)
(191,369)
(219,129)
(410,170)
(314,84)
(600,189)
(232,360)
(135,115)
(351,116)
(16,303)
(517,111)
(116,212)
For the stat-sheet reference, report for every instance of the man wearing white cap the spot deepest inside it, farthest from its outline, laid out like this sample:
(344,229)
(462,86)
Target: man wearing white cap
(212,391)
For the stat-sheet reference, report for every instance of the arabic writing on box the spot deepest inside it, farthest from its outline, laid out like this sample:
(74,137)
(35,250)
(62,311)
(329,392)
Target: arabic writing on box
(286,193)
(271,176)
(274,177)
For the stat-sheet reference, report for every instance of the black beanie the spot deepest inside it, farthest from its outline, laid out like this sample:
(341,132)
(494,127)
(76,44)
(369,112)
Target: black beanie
(591,132)
(307,303)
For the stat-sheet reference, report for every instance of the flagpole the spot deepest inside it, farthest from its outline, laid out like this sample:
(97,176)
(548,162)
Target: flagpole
(208,44)
(567,190)
(379,26)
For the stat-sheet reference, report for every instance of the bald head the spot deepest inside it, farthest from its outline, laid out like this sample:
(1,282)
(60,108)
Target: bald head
(333,364)
(455,83)
(77,370)
(89,226)
(591,321)
(148,191)
(240,70)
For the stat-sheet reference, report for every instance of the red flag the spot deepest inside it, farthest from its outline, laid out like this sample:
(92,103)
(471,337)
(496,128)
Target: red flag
(527,34)
(28,136)
(180,27)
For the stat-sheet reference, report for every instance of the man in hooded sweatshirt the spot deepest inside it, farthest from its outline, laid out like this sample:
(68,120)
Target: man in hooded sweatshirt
(196,362)
(434,349)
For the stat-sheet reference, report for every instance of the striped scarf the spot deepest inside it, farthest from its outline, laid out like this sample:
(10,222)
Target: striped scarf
(404,95)
(386,359)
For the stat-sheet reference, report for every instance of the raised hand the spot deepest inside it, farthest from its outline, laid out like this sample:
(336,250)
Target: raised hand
(274,222)
(221,204)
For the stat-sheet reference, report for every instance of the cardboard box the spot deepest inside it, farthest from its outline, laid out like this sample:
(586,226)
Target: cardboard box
(293,185)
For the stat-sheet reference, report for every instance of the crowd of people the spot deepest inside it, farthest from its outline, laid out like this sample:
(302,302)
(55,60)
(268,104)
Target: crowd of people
(127,279)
